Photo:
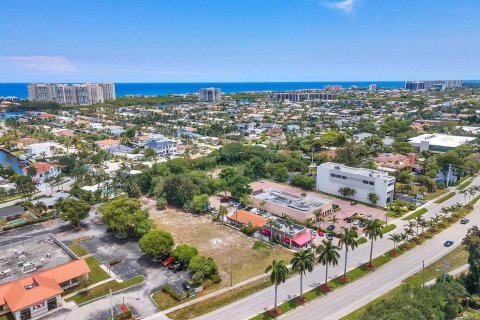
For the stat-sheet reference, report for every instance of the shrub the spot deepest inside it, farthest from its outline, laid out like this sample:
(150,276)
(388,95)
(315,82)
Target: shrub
(166,288)
(161,203)
(216,278)
(203,264)
(441,185)
(248,230)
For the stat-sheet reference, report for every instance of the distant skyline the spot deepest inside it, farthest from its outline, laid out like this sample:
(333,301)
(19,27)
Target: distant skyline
(239,41)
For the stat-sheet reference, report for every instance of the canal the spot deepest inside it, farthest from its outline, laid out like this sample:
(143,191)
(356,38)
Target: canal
(8,160)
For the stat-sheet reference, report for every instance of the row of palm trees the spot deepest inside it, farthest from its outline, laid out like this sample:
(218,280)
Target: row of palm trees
(328,255)
(469,192)
(412,229)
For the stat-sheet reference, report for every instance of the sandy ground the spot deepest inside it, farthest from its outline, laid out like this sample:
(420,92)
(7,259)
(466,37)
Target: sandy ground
(230,248)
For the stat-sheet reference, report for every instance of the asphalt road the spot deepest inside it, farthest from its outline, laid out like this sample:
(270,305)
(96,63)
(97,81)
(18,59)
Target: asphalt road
(349,298)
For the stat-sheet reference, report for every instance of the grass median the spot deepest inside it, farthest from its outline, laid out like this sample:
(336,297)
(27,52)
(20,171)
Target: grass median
(417,213)
(78,250)
(445,198)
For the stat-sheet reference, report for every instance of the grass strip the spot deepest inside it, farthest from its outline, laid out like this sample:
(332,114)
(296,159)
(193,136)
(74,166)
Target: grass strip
(208,305)
(465,184)
(96,274)
(104,289)
(416,214)
(388,228)
(361,240)
(445,198)
(78,250)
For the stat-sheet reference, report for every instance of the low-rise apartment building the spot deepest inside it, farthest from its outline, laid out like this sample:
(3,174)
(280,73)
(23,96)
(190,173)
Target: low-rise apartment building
(331,177)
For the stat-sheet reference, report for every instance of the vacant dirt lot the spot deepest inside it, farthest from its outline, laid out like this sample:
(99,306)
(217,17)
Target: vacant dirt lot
(230,248)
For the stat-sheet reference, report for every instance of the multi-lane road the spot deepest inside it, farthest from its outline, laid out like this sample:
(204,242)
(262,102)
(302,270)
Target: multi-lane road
(358,293)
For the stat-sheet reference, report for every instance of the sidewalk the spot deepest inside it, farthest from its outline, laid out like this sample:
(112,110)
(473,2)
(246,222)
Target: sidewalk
(87,288)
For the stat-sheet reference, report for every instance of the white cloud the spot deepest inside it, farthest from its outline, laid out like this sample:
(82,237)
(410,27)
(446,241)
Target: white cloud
(346,6)
(44,64)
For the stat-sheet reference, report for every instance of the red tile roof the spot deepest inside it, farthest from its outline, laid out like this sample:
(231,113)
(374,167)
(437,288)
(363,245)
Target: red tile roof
(246,218)
(42,167)
(45,285)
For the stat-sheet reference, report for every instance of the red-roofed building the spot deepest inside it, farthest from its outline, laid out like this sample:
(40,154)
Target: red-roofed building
(35,295)
(44,170)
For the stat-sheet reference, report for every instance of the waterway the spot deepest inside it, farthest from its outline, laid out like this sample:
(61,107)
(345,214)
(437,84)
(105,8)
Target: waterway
(8,160)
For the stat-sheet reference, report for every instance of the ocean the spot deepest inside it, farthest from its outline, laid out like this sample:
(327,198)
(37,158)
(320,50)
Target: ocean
(19,90)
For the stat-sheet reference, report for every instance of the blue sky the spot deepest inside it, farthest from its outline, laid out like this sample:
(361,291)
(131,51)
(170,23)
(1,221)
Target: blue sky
(238,40)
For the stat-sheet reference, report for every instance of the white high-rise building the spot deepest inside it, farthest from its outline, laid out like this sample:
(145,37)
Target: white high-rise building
(372,87)
(82,94)
(210,94)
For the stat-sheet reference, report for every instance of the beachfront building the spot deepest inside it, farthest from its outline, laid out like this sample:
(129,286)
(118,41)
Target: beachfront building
(301,95)
(433,84)
(33,275)
(210,94)
(331,177)
(75,94)
(282,203)
(438,142)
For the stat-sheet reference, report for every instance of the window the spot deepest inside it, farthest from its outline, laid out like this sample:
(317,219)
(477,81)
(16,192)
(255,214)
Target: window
(344,177)
(365,181)
(332,175)
(371,183)
(338,176)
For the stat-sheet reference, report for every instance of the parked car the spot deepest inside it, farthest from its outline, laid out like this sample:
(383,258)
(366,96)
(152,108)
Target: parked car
(168,261)
(331,227)
(313,232)
(187,286)
(160,257)
(361,224)
(329,236)
(356,222)
(448,243)
(348,220)
(464,221)
(177,268)
(173,265)
(353,203)
(266,215)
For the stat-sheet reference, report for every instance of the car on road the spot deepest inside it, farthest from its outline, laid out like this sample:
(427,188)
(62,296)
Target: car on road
(331,227)
(187,286)
(168,261)
(464,221)
(329,236)
(448,243)
(266,215)
(353,203)
(313,232)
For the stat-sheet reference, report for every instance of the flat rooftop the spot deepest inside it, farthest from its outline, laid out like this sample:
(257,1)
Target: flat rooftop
(25,258)
(289,200)
(443,140)
(357,171)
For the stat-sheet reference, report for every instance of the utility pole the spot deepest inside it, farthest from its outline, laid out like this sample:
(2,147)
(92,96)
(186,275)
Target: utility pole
(445,271)
(423,274)
(111,306)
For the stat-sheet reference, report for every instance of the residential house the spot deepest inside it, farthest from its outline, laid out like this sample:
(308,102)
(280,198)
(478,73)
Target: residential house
(45,171)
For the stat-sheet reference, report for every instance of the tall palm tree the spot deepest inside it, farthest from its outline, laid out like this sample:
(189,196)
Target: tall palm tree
(302,262)
(222,212)
(328,255)
(373,230)
(464,192)
(278,275)
(348,239)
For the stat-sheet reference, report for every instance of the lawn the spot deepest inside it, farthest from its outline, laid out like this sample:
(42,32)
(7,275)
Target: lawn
(219,301)
(362,240)
(464,184)
(456,258)
(416,214)
(78,250)
(445,198)
(231,249)
(104,289)
(7,316)
(96,274)
(164,300)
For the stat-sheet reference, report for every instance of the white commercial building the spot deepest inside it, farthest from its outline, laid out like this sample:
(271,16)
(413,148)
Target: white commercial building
(438,142)
(82,94)
(210,94)
(333,176)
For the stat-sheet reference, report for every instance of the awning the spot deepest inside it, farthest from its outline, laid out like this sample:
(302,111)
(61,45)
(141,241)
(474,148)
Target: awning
(302,239)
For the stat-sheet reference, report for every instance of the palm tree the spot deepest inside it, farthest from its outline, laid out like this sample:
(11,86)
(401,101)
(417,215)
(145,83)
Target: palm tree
(348,239)
(464,192)
(278,275)
(328,254)
(333,219)
(373,230)
(396,238)
(424,224)
(302,262)
(418,222)
(222,212)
